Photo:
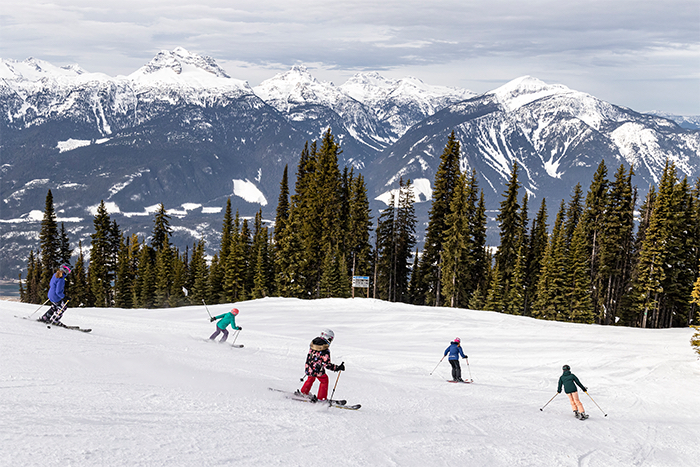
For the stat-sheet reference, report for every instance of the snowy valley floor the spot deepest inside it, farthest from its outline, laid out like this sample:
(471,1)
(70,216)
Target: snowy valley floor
(146,388)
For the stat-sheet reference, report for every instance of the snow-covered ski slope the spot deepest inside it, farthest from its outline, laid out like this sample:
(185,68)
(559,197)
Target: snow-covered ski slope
(146,388)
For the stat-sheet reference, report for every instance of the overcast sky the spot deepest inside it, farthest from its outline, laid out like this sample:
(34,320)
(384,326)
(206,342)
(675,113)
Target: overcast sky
(641,54)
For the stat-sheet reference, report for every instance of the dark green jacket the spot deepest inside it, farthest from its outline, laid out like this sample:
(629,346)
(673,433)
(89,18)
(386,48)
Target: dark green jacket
(568,379)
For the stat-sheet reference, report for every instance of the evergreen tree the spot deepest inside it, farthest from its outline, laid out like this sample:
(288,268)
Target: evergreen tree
(495,295)
(481,259)
(456,258)
(126,272)
(163,277)
(50,245)
(515,297)
(550,301)
(616,246)
(386,234)
(32,291)
(325,208)
(580,303)
(160,238)
(282,215)
(65,252)
(405,239)
(145,280)
(695,297)
(200,275)
(176,296)
(654,257)
(360,224)
(535,255)
(593,219)
(511,231)
(235,269)
(630,314)
(215,286)
(101,249)
(573,215)
(81,294)
(446,180)
(246,248)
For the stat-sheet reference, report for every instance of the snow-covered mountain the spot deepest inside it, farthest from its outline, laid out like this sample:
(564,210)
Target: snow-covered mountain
(181,131)
(401,103)
(556,135)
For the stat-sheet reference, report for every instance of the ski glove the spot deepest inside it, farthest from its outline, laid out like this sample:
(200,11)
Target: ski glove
(239,328)
(212,320)
(341,367)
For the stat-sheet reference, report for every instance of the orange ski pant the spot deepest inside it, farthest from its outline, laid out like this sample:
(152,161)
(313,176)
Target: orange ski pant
(575,402)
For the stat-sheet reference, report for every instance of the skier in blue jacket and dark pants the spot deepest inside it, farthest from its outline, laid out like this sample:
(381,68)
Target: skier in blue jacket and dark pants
(56,296)
(455,351)
(226,319)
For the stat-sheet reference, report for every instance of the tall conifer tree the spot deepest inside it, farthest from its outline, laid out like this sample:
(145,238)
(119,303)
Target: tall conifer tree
(446,180)
(50,245)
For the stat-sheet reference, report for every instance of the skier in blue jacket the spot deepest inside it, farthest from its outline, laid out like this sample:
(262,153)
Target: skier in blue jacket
(455,351)
(56,295)
(226,319)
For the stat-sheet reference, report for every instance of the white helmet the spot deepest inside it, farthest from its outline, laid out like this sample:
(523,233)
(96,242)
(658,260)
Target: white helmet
(328,335)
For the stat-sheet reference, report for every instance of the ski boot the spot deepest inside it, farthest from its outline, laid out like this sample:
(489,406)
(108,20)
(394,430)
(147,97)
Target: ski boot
(311,397)
(577,414)
(583,416)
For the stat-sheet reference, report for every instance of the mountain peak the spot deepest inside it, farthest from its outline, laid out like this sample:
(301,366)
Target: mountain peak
(179,60)
(524,90)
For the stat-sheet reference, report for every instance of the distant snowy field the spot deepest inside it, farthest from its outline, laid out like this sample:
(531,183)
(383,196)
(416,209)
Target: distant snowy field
(146,388)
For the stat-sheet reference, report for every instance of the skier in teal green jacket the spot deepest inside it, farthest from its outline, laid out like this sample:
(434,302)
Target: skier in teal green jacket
(226,319)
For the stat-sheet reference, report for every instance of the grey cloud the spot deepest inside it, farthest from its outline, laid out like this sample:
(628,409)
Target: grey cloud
(578,38)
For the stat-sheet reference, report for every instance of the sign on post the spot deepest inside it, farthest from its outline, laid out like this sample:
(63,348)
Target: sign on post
(361,282)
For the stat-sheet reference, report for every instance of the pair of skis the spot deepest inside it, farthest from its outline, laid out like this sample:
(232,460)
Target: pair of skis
(58,325)
(335,403)
(65,326)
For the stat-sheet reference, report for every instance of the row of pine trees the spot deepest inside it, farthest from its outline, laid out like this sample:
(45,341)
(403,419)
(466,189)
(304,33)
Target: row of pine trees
(594,265)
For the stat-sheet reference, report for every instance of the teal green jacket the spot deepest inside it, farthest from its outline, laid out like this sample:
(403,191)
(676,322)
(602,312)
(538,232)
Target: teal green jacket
(569,381)
(228,318)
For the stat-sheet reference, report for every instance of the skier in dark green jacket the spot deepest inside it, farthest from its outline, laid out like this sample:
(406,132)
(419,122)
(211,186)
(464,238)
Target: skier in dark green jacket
(226,319)
(569,381)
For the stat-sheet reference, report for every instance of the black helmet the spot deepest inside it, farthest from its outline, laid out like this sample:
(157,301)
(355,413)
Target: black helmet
(566,368)
(65,268)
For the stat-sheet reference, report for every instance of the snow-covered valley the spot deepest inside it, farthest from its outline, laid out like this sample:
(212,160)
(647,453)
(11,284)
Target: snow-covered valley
(147,388)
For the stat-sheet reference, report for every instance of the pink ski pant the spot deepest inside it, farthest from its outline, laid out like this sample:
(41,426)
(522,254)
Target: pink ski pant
(575,402)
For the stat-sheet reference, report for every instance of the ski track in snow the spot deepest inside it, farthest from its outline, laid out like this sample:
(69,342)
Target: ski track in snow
(147,388)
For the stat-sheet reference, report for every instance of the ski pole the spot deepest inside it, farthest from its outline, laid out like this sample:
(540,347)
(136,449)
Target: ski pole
(550,400)
(470,370)
(205,306)
(596,404)
(443,357)
(335,385)
(47,301)
(238,331)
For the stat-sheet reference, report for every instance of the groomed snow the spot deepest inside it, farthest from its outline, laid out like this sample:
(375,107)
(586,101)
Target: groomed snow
(146,388)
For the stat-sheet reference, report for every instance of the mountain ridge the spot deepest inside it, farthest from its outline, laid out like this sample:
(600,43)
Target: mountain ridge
(181,131)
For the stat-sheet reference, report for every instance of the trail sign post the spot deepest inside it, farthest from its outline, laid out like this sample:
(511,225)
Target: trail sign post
(361,282)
